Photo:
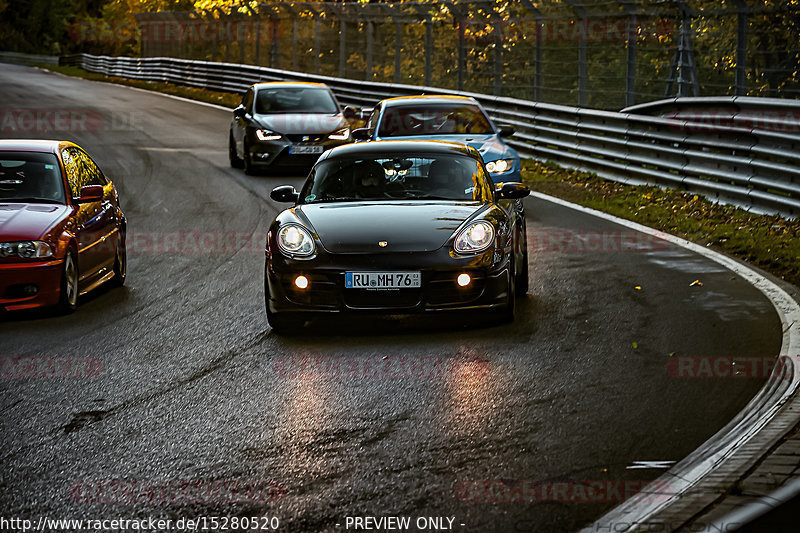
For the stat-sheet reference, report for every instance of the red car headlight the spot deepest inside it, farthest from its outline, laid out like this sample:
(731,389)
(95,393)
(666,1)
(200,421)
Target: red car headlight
(26,249)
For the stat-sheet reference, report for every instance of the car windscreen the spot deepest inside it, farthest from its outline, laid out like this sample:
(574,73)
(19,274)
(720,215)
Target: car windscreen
(434,119)
(295,100)
(397,177)
(30,177)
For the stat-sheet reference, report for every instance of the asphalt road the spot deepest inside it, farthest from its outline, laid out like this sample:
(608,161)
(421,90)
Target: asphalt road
(190,385)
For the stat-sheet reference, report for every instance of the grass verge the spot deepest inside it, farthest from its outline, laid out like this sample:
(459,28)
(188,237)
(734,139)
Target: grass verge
(769,242)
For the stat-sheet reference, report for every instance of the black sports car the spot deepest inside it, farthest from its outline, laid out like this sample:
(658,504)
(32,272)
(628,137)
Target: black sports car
(396,227)
(286,124)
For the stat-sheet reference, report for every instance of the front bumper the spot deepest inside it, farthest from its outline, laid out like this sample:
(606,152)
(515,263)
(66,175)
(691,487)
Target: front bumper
(15,277)
(276,153)
(439,290)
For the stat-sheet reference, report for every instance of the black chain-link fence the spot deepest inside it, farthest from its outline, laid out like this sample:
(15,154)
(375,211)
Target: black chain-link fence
(605,54)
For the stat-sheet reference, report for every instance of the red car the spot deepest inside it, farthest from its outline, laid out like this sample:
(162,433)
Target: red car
(62,232)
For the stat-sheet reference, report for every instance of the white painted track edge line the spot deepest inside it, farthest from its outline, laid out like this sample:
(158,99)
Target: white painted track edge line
(687,473)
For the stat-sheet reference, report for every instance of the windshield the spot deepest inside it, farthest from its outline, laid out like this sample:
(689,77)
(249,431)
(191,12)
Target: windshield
(30,177)
(439,119)
(398,177)
(295,100)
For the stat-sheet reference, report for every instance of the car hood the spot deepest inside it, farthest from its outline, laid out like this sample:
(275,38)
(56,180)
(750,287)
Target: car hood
(20,221)
(358,227)
(295,123)
(489,146)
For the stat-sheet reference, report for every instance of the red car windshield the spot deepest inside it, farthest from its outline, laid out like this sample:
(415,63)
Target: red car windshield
(30,177)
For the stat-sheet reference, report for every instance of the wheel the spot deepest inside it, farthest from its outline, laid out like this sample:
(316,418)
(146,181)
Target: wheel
(247,164)
(506,314)
(236,161)
(68,297)
(522,276)
(120,261)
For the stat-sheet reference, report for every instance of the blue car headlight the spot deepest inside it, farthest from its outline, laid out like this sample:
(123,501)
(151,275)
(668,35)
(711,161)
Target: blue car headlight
(500,165)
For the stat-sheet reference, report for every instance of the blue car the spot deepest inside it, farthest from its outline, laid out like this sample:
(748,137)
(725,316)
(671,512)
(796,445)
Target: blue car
(445,118)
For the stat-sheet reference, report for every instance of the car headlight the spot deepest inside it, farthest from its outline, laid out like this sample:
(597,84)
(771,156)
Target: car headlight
(501,165)
(266,135)
(341,135)
(474,238)
(26,249)
(295,240)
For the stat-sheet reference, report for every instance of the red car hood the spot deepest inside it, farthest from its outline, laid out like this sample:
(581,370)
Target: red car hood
(20,222)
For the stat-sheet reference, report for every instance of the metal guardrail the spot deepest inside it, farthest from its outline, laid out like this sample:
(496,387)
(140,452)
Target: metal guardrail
(27,59)
(705,146)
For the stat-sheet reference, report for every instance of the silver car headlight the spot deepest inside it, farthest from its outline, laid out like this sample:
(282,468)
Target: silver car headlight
(500,165)
(341,135)
(475,237)
(266,135)
(295,240)
(26,249)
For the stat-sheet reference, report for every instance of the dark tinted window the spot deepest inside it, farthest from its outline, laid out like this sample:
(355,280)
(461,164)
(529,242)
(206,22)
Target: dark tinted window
(30,176)
(81,170)
(398,177)
(434,119)
(295,100)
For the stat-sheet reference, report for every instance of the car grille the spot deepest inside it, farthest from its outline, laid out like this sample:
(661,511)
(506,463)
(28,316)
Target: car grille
(306,138)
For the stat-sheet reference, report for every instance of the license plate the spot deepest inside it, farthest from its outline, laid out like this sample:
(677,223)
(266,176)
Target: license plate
(305,149)
(382,280)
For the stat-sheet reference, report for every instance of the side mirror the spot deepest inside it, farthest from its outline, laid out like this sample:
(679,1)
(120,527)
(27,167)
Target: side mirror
(511,190)
(349,113)
(504,130)
(238,111)
(361,134)
(284,193)
(90,193)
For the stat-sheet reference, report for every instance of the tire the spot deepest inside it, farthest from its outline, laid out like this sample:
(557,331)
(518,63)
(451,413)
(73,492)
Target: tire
(68,295)
(233,157)
(507,313)
(247,163)
(120,262)
(522,277)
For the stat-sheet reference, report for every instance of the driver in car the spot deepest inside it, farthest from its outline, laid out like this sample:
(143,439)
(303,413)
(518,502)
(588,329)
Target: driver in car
(372,182)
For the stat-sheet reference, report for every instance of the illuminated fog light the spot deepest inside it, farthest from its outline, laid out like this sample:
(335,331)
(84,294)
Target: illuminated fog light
(463,280)
(301,282)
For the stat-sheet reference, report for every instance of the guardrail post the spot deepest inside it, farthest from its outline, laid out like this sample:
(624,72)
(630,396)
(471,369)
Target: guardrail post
(631,25)
(428,50)
(741,48)
(462,62)
(342,46)
(275,43)
(316,42)
(498,55)
(398,45)
(295,55)
(370,39)
(581,12)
